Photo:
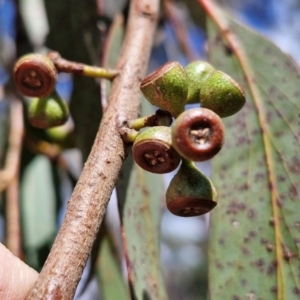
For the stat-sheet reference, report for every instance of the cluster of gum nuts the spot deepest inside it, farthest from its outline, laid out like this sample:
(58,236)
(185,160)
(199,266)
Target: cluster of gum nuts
(196,135)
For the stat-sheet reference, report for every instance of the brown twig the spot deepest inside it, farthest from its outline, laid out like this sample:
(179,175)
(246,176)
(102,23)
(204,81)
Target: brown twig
(13,228)
(63,268)
(9,180)
(179,24)
(15,144)
(100,7)
(63,65)
(128,264)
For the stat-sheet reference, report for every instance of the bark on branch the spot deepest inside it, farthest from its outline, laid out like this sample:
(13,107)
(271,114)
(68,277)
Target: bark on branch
(63,268)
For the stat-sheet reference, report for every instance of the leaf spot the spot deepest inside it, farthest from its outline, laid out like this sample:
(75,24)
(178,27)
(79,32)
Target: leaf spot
(219,265)
(251,296)
(245,250)
(235,224)
(287,253)
(234,207)
(297,224)
(296,291)
(243,282)
(260,264)
(272,268)
(251,214)
(221,241)
(269,247)
(273,289)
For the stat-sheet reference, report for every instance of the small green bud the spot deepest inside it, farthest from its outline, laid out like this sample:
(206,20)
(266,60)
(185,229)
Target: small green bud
(62,135)
(222,94)
(197,73)
(167,88)
(48,112)
(190,192)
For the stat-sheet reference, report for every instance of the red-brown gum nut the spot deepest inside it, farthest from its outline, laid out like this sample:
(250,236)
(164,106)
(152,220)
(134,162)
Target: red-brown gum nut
(198,134)
(190,192)
(153,152)
(35,75)
(190,207)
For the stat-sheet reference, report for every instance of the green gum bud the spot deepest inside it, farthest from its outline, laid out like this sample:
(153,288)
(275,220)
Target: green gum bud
(167,88)
(48,112)
(197,73)
(62,135)
(222,94)
(190,192)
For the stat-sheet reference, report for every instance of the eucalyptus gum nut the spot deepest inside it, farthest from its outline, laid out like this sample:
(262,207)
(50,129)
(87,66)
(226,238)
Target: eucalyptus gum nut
(35,75)
(198,134)
(190,193)
(48,112)
(152,150)
(197,73)
(167,88)
(222,94)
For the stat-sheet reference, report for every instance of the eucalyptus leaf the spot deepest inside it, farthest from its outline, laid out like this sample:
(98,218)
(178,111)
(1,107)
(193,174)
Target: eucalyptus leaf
(38,210)
(254,237)
(141,217)
(109,273)
(141,198)
(111,50)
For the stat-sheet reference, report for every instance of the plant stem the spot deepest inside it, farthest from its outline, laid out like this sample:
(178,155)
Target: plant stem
(13,228)
(63,268)
(96,72)
(139,123)
(15,144)
(160,118)
(63,65)
(129,135)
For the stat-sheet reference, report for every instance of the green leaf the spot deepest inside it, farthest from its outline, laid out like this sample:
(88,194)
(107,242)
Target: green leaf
(141,196)
(108,271)
(38,210)
(114,42)
(112,48)
(254,241)
(141,216)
